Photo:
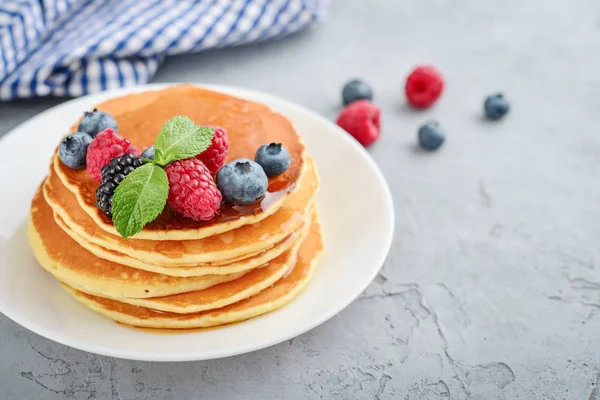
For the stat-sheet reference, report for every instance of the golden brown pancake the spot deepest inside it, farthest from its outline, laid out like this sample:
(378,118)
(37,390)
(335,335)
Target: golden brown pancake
(241,264)
(221,295)
(249,125)
(179,273)
(247,239)
(283,291)
(60,255)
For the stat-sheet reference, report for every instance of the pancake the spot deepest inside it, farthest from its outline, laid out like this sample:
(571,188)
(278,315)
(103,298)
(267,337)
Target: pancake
(276,296)
(249,125)
(61,256)
(226,293)
(231,267)
(247,239)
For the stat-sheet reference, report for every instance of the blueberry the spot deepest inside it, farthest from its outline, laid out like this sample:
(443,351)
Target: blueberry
(273,158)
(356,90)
(431,136)
(73,150)
(242,181)
(496,106)
(148,153)
(96,121)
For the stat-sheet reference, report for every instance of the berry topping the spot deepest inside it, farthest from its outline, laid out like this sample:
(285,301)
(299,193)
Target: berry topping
(431,135)
(361,120)
(73,149)
(96,121)
(242,181)
(192,191)
(214,156)
(112,175)
(106,146)
(149,153)
(496,106)
(423,86)
(273,158)
(356,90)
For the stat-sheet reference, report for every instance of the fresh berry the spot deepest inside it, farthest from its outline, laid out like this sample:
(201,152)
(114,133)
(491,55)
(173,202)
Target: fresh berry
(106,146)
(361,120)
(96,121)
(214,156)
(356,90)
(149,153)
(496,106)
(73,149)
(273,158)
(242,181)
(423,86)
(112,175)
(431,135)
(192,191)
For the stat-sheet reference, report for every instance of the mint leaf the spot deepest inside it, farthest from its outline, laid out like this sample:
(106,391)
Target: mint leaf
(139,199)
(181,138)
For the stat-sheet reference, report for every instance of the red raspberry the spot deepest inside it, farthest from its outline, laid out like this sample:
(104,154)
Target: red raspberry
(423,86)
(361,119)
(192,191)
(214,156)
(106,146)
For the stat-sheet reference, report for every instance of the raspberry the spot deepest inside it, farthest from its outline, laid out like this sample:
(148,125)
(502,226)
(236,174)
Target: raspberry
(423,86)
(192,191)
(106,146)
(361,120)
(112,175)
(214,156)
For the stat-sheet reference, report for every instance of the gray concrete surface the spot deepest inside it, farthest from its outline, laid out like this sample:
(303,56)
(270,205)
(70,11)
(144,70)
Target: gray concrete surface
(492,289)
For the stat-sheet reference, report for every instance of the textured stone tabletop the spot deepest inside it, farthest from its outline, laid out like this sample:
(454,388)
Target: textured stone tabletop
(492,288)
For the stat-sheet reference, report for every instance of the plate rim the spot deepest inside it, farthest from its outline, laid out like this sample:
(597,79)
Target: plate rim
(136,355)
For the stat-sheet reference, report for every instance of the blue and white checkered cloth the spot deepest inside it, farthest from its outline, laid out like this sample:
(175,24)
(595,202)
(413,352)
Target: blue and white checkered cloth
(75,47)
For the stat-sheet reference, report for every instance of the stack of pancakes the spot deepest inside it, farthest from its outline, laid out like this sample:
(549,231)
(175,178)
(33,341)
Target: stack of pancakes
(179,273)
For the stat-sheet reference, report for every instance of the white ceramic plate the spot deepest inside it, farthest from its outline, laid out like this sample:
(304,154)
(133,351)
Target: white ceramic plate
(356,212)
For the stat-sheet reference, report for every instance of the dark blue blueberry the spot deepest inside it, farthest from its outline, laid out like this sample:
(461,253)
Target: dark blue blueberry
(356,90)
(95,122)
(496,106)
(73,150)
(273,158)
(431,136)
(148,153)
(242,181)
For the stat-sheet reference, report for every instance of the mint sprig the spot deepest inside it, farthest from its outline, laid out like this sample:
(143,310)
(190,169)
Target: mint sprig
(181,138)
(142,195)
(139,199)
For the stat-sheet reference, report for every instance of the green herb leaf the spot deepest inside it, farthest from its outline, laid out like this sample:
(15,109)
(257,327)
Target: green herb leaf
(139,199)
(181,138)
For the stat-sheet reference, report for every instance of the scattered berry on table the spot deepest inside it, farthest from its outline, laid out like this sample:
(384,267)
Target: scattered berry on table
(361,119)
(106,146)
(96,121)
(496,106)
(149,153)
(214,156)
(356,90)
(192,191)
(242,181)
(431,135)
(273,158)
(73,149)
(112,175)
(423,86)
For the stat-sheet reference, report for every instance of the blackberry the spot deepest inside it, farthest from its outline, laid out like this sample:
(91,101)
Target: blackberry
(112,175)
